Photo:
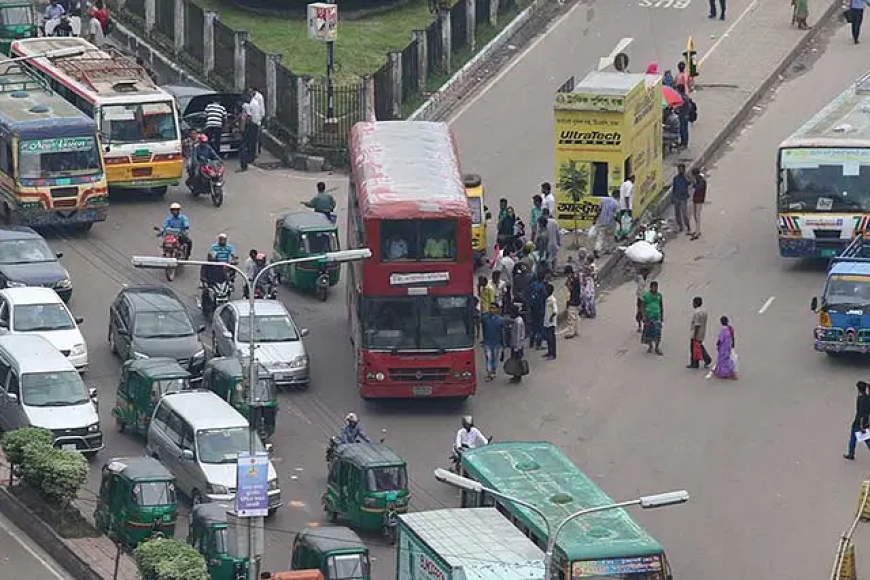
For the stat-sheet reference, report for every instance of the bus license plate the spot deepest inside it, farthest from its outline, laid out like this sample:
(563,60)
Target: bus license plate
(829,253)
(142,172)
(422,391)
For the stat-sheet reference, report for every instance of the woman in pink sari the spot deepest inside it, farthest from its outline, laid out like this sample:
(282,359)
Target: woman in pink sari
(725,345)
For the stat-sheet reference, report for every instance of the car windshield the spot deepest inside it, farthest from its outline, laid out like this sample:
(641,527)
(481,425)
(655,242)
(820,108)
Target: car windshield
(16,16)
(139,123)
(418,323)
(154,493)
(224,445)
(476,210)
(25,252)
(59,157)
(320,242)
(162,325)
(41,318)
(847,290)
(348,566)
(278,328)
(53,389)
(386,478)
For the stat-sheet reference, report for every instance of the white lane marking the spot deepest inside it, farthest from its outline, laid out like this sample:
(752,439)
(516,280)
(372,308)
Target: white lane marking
(679,4)
(607,61)
(516,60)
(46,564)
(728,31)
(766,305)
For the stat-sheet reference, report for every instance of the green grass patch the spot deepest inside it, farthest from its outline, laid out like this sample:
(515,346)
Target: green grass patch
(361,48)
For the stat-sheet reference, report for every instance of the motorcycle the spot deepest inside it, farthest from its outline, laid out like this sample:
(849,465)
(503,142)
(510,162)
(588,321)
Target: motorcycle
(389,527)
(456,457)
(172,248)
(209,180)
(321,285)
(216,295)
(268,290)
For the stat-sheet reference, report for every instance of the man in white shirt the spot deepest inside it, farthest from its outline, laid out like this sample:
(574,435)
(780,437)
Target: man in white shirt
(625,191)
(469,436)
(258,113)
(250,135)
(548,201)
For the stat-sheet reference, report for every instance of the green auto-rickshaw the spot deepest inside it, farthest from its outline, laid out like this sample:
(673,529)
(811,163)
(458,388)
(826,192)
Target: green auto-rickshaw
(209,535)
(142,384)
(137,501)
(17,20)
(227,377)
(302,234)
(367,487)
(336,551)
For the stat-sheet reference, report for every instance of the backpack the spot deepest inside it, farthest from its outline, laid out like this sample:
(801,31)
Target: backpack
(693,110)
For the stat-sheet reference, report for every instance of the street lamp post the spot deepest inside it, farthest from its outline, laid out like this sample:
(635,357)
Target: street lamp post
(161,262)
(646,502)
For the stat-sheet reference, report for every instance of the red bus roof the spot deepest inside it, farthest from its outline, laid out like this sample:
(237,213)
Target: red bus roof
(407,170)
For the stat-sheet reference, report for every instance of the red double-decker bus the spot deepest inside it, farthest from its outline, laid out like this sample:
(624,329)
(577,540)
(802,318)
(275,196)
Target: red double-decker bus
(410,305)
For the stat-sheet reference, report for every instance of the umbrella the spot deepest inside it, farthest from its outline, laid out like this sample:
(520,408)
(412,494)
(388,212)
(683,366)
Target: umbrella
(671,98)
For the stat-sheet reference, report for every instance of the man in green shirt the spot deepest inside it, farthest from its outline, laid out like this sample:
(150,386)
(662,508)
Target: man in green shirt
(653,314)
(323,202)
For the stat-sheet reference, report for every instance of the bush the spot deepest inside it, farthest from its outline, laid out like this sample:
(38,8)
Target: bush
(14,442)
(56,473)
(165,559)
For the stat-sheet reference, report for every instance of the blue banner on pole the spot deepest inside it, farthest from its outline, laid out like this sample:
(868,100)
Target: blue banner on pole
(252,485)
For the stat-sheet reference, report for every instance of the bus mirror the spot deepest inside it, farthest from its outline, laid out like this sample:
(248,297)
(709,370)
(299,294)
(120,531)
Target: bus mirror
(814,304)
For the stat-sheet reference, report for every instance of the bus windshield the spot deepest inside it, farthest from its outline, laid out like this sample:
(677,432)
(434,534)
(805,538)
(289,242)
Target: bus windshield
(59,157)
(835,187)
(418,323)
(138,123)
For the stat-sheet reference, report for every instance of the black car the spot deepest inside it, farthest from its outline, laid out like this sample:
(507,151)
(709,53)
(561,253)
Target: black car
(151,321)
(192,102)
(27,260)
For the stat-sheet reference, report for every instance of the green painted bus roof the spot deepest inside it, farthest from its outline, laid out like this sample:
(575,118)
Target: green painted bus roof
(540,474)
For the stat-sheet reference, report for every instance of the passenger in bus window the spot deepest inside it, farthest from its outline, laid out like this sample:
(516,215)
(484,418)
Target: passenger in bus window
(436,248)
(397,248)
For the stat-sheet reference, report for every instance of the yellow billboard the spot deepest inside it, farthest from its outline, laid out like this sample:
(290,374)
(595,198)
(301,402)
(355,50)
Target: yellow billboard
(607,129)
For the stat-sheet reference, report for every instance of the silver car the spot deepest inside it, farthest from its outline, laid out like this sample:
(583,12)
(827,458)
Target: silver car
(278,340)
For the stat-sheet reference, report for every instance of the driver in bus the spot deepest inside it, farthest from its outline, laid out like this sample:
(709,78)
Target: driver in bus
(436,248)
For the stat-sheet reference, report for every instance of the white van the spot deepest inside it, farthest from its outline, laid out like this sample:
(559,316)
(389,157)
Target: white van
(198,437)
(39,387)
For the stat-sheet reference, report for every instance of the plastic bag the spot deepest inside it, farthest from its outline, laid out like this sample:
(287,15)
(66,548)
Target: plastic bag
(734,360)
(642,252)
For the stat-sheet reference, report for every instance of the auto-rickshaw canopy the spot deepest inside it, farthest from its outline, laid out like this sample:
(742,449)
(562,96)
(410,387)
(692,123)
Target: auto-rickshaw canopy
(325,539)
(222,374)
(366,455)
(157,369)
(137,469)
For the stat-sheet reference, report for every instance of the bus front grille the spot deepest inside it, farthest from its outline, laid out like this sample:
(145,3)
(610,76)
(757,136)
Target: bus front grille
(422,374)
(61,192)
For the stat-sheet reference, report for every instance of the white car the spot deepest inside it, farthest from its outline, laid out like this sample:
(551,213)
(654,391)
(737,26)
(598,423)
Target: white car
(41,311)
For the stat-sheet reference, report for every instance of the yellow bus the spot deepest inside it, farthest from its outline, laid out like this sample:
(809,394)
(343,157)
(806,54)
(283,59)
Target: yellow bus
(51,171)
(137,121)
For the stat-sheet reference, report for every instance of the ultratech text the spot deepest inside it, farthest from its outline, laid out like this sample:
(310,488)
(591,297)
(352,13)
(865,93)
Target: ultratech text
(611,139)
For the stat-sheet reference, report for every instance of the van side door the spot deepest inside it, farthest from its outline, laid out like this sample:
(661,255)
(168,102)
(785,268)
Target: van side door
(5,317)
(7,408)
(189,468)
(18,416)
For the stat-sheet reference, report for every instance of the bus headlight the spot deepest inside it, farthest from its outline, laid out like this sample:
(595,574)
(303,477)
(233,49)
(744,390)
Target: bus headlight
(376,376)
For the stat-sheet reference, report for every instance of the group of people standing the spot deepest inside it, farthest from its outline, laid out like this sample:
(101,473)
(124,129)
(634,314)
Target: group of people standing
(249,118)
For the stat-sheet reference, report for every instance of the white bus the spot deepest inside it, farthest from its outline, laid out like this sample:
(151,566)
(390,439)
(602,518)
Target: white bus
(823,178)
(137,121)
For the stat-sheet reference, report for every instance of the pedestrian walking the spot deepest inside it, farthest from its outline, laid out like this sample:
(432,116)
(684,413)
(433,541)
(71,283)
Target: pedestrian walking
(680,198)
(697,334)
(800,13)
(625,191)
(215,121)
(517,366)
(683,116)
(588,281)
(259,114)
(551,313)
(641,278)
(606,224)
(537,305)
(861,422)
(726,361)
(721,9)
(548,201)
(855,16)
(493,340)
(498,288)
(574,299)
(535,213)
(249,136)
(507,220)
(554,237)
(699,198)
(653,318)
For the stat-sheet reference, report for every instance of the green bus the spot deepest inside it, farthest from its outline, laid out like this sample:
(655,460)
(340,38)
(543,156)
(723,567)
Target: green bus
(604,545)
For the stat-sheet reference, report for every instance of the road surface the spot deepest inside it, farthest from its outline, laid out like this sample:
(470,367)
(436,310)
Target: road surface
(22,558)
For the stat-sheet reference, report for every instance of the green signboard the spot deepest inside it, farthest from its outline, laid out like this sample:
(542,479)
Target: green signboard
(61,145)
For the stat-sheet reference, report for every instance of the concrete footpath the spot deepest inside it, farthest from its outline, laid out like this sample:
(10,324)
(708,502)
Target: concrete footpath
(738,70)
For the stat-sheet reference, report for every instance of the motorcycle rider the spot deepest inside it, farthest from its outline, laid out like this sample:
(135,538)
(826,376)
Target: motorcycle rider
(468,436)
(202,153)
(323,202)
(266,280)
(177,223)
(210,276)
(223,251)
(352,431)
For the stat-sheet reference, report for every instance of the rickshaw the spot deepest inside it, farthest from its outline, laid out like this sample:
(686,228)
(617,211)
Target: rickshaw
(209,535)
(137,501)
(302,234)
(479,216)
(142,383)
(17,20)
(336,551)
(228,379)
(367,487)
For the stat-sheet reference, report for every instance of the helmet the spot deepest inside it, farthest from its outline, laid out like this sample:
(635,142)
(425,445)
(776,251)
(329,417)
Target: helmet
(175,207)
(352,418)
(203,138)
(468,421)
(261,257)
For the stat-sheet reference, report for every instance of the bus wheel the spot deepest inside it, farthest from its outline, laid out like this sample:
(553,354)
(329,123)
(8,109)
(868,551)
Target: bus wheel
(7,214)
(159,191)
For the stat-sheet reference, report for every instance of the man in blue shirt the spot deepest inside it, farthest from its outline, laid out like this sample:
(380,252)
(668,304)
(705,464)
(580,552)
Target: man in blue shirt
(222,250)
(493,339)
(352,431)
(680,198)
(53,11)
(177,223)
(606,224)
(856,17)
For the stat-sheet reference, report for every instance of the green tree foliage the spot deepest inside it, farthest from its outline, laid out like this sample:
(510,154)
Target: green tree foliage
(170,559)
(14,442)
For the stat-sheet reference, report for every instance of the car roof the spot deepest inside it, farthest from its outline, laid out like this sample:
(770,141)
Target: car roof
(34,353)
(153,299)
(18,233)
(330,538)
(139,468)
(369,455)
(263,307)
(31,295)
(203,410)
